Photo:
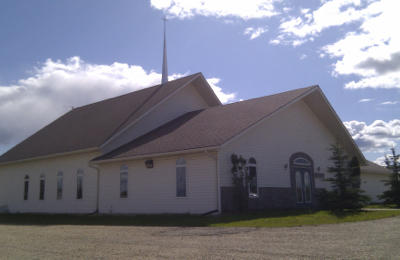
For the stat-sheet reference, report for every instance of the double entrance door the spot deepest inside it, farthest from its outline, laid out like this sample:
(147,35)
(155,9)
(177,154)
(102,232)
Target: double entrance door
(303,186)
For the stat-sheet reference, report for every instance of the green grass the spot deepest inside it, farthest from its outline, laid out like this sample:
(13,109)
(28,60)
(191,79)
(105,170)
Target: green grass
(380,206)
(288,218)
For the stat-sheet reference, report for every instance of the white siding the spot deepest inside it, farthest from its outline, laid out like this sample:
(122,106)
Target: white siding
(372,184)
(154,190)
(271,143)
(186,100)
(12,185)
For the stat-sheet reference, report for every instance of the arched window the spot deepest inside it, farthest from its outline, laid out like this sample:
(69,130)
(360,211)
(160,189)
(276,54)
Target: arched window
(42,182)
(299,188)
(301,161)
(79,186)
(123,181)
(60,177)
(253,188)
(181,178)
(26,187)
(307,187)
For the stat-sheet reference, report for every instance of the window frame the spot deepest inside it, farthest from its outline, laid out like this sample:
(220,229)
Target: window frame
(253,164)
(42,186)
(79,184)
(179,164)
(26,187)
(124,170)
(60,180)
(299,184)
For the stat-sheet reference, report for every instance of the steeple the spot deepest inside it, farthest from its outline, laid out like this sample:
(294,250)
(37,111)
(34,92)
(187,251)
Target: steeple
(164,78)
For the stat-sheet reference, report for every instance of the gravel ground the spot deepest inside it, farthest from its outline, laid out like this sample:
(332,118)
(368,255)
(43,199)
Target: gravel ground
(376,239)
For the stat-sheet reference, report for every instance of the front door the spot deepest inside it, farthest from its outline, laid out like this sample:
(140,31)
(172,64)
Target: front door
(303,186)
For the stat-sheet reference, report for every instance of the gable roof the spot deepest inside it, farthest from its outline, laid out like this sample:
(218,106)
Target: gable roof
(215,126)
(375,168)
(206,128)
(91,125)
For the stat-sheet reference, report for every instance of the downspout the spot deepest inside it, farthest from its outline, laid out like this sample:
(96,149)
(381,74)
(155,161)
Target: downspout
(98,187)
(218,180)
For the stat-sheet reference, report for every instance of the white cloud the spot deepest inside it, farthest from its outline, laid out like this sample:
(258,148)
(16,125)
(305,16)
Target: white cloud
(55,86)
(380,161)
(224,97)
(330,13)
(364,100)
(389,103)
(255,32)
(302,57)
(372,53)
(217,8)
(304,11)
(287,9)
(228,22)
(377,137)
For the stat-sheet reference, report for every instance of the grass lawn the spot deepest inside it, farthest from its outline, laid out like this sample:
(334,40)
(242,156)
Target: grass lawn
(380,206)
(289,218)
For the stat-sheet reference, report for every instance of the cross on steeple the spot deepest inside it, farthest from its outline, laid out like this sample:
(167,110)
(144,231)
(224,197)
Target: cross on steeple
(164,78)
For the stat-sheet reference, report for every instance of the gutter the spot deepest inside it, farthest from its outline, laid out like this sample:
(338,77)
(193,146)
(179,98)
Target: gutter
(141,156)
(98,187)
(51,156)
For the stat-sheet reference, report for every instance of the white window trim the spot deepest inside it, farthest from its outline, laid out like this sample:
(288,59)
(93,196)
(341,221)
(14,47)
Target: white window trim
(27,195)
(258,190)
(301,187)
(186,179)
(127,181)
(82,174)
(62,186)
(301,158)
(42,177)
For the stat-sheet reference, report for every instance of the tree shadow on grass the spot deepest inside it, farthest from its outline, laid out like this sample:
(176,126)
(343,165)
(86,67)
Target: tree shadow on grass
(167,220)
(341,214)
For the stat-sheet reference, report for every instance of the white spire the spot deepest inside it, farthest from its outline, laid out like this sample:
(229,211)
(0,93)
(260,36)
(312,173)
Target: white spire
(164,78)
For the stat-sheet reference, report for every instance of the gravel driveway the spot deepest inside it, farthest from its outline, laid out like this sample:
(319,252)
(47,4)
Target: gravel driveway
(376,239)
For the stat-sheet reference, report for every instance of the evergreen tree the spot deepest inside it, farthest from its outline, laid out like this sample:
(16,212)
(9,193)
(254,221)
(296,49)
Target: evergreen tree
(241,180)
(346,192)
(392,196)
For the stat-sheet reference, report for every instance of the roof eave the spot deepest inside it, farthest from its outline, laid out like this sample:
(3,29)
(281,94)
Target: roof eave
(52,156)
(154,155)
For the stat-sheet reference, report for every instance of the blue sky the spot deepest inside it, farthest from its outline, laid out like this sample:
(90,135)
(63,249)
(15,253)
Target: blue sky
(59,54)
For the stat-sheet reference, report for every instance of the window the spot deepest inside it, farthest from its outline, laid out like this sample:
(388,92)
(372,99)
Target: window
(302,179)
(123,181)
(301,161)
(299,188)
(181,178)
(26,187)
(60,177)
(79,180)
(307,187)
(253,190)
(41,193)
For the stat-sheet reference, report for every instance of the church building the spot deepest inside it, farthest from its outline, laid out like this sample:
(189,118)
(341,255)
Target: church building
(167,149)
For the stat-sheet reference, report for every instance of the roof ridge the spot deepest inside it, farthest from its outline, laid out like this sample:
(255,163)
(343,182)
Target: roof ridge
(136,91)
(280,93)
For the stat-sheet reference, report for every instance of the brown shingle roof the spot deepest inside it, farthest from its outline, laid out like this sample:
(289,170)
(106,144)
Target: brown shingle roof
(205,128)
(91,125)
